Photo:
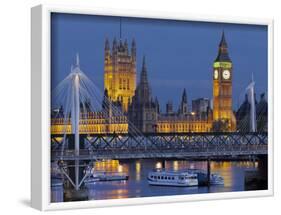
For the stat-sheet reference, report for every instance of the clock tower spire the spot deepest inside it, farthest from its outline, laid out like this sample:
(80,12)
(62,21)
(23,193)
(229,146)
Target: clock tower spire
(223,117)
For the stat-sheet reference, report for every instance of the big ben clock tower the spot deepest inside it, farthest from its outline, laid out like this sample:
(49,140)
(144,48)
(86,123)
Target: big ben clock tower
(222,90)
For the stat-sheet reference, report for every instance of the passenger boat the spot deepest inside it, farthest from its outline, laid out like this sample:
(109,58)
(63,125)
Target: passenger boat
(107,176)
(171,178)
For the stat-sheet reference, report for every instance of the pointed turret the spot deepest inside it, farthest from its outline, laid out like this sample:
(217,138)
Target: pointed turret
(107,46)
(120,46)
(143,72)
(114,46)
(157,105)
(223,42)
(133,50)
(183,104)
(126,46)
(184,97)
(107,51)
(223,52)
(143,89)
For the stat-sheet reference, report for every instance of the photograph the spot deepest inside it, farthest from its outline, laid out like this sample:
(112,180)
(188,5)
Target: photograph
(149,107)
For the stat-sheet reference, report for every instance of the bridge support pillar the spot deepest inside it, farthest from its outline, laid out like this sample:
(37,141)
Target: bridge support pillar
(208,172)
(254,161)
(163,164)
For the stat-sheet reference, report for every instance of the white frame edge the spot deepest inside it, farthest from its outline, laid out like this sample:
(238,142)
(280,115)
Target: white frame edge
(36,107)
(40,107)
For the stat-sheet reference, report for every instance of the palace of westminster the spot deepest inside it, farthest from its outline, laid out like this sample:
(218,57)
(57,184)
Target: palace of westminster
(141,109)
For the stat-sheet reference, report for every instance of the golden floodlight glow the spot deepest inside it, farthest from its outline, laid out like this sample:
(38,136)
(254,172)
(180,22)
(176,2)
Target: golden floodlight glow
(176,165)
(138,166)
(158,165)
(120,168)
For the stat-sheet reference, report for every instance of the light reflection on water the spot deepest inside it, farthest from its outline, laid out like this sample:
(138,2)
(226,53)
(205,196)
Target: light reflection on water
(137,185)
(138,171)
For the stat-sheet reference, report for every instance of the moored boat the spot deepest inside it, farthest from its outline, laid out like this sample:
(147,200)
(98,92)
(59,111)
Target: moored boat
(104,176)
(56,181)
(215,178)
(171,178)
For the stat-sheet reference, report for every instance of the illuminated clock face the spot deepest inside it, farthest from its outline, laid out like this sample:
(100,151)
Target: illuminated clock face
(226,74)
(216,74)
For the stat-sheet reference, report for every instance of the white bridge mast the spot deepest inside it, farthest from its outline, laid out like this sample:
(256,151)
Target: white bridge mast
(251,95)
(75,117)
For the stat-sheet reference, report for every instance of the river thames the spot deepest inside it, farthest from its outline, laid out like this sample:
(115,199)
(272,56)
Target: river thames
(233,173)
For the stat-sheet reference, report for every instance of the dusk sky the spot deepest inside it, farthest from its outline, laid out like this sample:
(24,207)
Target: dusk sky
(179,54)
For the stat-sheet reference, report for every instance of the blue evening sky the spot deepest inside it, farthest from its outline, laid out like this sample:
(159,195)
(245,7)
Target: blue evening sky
(179,54)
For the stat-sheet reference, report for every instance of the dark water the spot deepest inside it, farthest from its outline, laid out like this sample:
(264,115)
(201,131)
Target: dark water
(137,185)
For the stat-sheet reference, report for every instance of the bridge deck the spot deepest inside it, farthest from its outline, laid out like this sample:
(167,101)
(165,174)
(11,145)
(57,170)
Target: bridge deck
(190,145)
(124,154)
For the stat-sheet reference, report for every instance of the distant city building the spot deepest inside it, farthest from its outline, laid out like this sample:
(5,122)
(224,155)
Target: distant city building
(200,106)
(243,115)
(169,108)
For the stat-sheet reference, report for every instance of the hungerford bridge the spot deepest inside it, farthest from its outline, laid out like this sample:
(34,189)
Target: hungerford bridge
(74,150)
(164,145)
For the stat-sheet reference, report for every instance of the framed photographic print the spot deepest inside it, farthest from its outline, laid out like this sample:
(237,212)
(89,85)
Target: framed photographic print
(133,107)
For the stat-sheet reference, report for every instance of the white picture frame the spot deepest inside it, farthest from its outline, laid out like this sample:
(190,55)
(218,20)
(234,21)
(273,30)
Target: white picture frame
(40,66)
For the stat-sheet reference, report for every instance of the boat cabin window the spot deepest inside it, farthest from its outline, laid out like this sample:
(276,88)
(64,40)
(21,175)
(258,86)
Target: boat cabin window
(192,177)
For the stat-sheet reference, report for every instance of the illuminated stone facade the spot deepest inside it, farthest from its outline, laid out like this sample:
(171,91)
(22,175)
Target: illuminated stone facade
(184,120)
(120,72)
(223,116)
(92,123)
(188,123)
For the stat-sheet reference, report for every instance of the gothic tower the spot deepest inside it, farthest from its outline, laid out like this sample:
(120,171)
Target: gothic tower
(144,109)
(183,105)
(222,89)
(120,72)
